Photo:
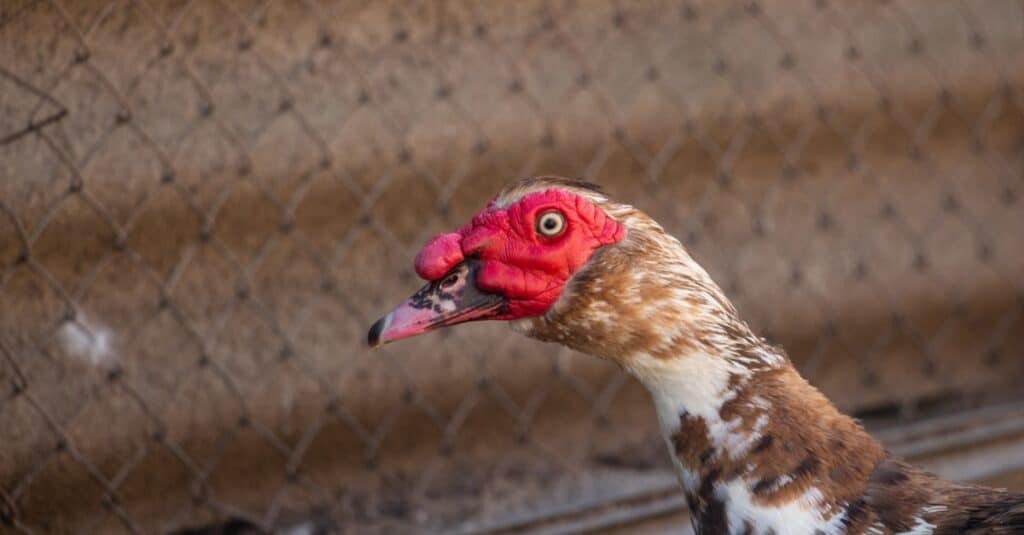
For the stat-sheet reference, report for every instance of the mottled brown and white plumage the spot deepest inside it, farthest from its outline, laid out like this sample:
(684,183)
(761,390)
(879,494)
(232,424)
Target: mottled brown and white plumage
(757,449)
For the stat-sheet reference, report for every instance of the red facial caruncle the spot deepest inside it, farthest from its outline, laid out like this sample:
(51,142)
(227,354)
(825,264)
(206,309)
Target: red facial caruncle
(509,262)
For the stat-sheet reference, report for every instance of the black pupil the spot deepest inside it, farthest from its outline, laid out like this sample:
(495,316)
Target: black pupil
(550,223)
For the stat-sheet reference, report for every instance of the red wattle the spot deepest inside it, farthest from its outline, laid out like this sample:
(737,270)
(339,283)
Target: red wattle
(527,268)
(439,255)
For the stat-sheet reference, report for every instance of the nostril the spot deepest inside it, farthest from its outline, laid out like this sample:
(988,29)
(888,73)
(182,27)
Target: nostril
(450,280)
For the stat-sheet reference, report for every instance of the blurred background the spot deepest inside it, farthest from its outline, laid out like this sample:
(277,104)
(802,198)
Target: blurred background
(205,204)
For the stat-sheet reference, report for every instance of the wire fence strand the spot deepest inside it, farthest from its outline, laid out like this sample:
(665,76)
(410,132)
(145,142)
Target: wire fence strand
(204,205)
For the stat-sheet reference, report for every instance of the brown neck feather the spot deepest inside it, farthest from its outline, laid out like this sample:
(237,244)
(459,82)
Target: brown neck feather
(754,442)
(799,443)
(757,448)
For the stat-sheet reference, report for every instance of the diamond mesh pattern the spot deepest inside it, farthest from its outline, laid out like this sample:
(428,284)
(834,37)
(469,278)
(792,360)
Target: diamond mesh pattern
(204,205)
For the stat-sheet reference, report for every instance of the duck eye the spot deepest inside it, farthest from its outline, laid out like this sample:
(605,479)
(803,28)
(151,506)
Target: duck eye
(550,223)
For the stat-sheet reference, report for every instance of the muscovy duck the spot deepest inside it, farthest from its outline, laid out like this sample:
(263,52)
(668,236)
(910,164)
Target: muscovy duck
(757,449)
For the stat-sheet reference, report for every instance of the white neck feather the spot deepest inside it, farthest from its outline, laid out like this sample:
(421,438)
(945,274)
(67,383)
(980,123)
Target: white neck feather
(700,385)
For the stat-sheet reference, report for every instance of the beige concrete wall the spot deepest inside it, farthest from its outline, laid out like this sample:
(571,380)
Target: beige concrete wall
(222,197)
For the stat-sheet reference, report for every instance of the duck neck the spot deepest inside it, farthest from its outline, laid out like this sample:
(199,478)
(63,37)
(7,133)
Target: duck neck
(757,449)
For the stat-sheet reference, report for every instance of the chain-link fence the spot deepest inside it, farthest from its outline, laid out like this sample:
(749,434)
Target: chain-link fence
(204,204)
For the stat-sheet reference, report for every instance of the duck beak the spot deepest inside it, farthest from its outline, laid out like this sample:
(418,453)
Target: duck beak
(450,300)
